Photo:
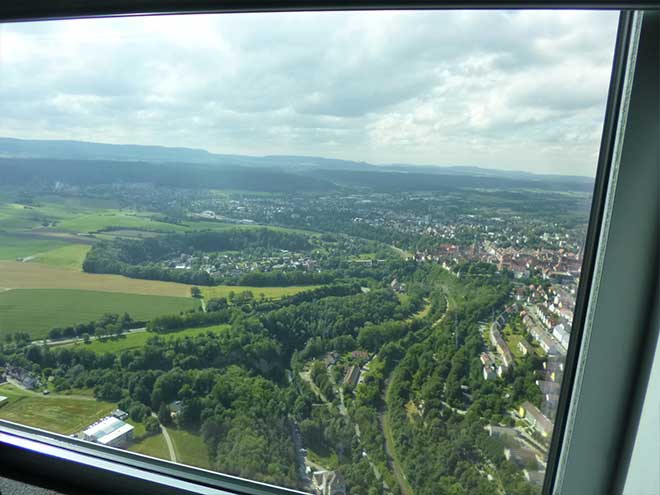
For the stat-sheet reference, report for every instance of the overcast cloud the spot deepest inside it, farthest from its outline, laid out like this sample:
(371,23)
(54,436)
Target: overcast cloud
(523,90)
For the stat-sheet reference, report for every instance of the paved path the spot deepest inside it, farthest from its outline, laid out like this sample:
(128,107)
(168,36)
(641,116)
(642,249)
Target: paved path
(168,440)
(18,384)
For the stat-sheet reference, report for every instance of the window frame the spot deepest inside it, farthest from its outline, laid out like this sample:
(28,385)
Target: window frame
(73,466)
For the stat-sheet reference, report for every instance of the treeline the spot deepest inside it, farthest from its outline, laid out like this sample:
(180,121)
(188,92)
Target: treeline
(278,278)
(109,324)
(172,323)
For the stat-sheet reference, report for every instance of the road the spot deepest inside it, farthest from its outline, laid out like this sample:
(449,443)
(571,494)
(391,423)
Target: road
(168,439)
(18,384)
(78,339)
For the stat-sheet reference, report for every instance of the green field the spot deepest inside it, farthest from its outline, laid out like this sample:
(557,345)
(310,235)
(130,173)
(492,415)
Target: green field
(12,247)
(153,446)
(137,340)
(16,275)
(38,310)
(269,292)
(71,256)
(53,413)
(189,448)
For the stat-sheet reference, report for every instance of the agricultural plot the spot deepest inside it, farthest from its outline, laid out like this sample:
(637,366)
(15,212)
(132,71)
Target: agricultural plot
(65,415)
(36,311)
(268,292)
(13,247)
(104,219)
(139,339)
(15,275)
(70,257)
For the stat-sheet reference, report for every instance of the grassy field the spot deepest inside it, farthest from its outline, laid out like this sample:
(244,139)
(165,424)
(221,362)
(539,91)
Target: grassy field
(70,257)
(153,446)
(57,414)
(137,340)
(189,448)
(270,292)
(12,247)
(38,310)
(104,219)
(16,275)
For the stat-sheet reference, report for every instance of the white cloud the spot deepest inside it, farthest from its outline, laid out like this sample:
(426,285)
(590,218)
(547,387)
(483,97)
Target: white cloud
(503,89)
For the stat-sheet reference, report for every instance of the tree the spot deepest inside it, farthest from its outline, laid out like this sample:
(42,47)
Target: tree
(85,337)
(151,425)
(195,292)
(164,415)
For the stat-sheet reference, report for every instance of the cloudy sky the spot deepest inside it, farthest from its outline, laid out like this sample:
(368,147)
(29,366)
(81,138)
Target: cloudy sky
(519,91)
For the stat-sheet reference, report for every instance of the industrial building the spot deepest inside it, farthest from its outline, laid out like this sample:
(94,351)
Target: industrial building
(109,431)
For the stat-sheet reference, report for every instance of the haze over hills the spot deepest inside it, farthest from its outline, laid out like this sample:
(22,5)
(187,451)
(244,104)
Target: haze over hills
(80,162)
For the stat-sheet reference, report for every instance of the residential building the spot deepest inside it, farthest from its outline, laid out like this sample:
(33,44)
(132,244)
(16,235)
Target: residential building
(525,347)
(536,418)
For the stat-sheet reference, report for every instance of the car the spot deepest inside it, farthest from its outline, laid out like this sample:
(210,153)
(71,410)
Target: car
(46,392)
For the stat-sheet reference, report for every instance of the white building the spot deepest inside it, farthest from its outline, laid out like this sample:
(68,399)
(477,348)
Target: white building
(109,431)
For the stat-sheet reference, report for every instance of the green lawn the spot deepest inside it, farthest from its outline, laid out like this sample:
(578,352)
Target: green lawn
(12,247)
(189,448)
(38,310)
(137,340)
(53,413)
(153,446)
(269,292)
(71,256)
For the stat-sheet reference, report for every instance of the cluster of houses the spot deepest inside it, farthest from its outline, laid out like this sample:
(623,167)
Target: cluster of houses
(237,264)
(25,378)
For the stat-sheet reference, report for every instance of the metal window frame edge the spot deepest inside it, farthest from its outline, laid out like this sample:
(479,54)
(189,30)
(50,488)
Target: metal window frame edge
(610,156)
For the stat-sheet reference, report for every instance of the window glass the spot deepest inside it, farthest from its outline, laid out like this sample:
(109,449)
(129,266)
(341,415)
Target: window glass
(336,252)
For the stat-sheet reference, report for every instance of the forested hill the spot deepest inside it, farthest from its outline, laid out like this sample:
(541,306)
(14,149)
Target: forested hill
(46,172)
(25,162)
(24,172)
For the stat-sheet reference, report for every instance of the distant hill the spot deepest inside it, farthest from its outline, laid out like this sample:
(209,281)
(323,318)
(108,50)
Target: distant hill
(81,162)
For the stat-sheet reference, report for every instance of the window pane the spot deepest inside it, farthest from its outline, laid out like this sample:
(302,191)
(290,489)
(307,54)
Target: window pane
(336,252)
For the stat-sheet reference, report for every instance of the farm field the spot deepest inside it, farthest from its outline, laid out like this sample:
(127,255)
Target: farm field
(12,247)
(53,413)
(269,292)
(189,448)
(36,311)
(137,340)
(71,256)
(17,275)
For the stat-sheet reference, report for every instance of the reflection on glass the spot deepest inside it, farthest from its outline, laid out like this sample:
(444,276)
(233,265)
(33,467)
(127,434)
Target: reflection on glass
(336,252)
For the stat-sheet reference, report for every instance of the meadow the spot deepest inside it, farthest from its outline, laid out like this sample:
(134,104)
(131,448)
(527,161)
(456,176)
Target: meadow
(36,311)
(12,247)
(136,340)
(189,448)
(70,256)
(65,415)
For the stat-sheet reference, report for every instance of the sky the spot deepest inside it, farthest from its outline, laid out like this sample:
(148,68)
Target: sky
(522,90)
